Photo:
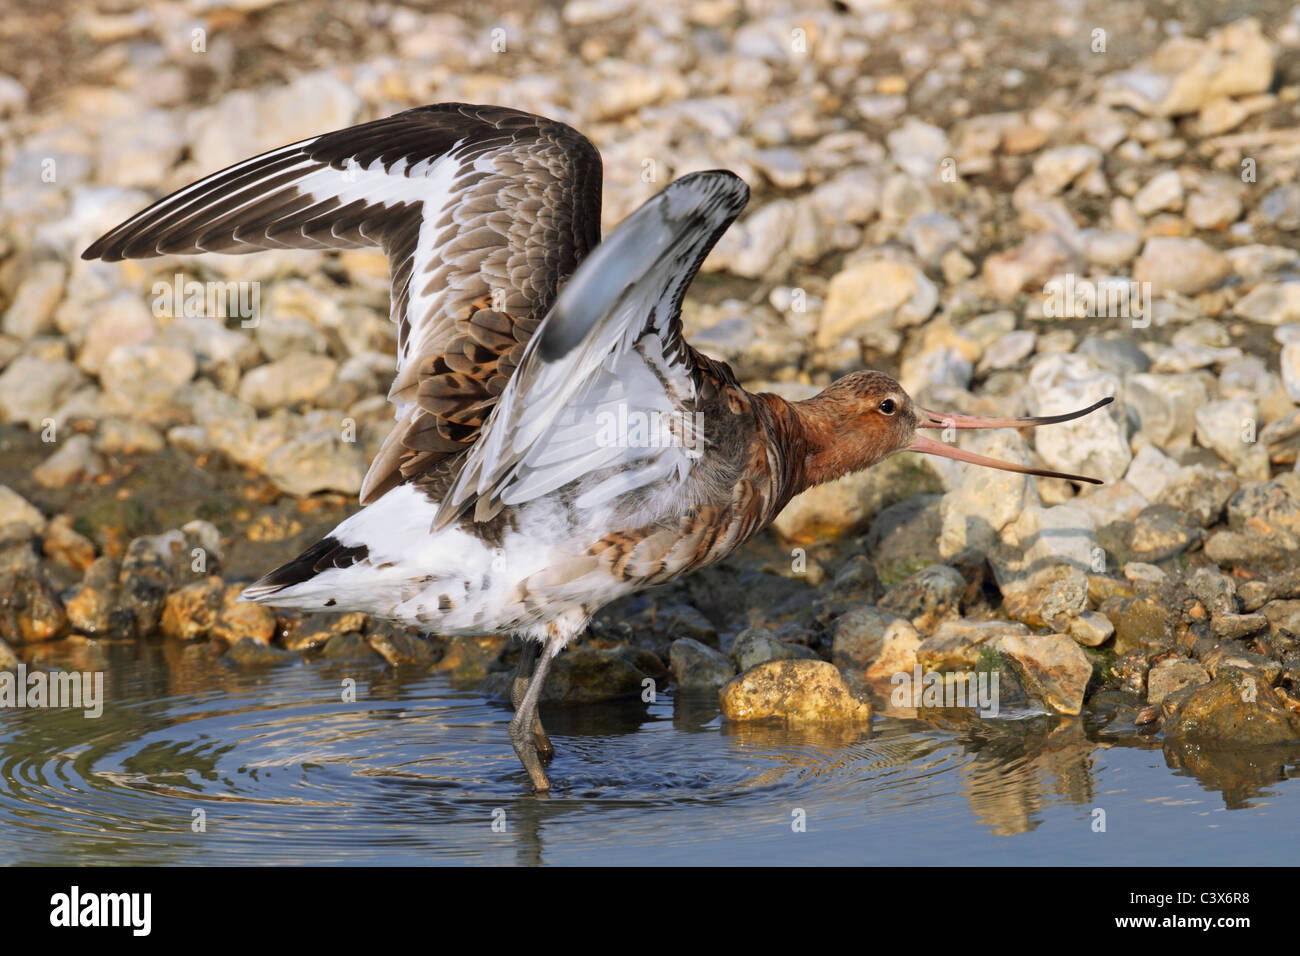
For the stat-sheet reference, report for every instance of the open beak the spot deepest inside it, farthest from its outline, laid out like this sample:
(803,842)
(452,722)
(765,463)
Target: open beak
(929,446)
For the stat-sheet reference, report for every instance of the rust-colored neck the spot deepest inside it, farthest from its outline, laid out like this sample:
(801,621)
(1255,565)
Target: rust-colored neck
(827,439)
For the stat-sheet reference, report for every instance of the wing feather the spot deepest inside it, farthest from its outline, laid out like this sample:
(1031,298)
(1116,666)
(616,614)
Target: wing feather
(482,211)
(610,351)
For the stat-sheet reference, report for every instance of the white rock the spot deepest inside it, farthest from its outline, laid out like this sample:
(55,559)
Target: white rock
(872,300)
(1229,428)
(34,301)
(1173,264)
(1094,445)
(298,378)
(1055,169)
(32,389)
(1150,470)
(1272,303)
(983,501)
(1162,193)
(918,148)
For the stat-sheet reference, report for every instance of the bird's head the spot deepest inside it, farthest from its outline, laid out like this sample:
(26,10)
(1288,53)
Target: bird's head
(865,417)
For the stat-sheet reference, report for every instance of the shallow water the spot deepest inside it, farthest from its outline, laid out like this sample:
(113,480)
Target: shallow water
(416,771)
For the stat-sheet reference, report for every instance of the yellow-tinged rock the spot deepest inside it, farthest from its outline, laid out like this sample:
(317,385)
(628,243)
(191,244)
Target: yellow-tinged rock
(794,691)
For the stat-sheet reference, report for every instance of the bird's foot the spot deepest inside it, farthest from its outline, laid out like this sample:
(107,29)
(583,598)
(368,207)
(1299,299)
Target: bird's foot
(545,749)
(525,742)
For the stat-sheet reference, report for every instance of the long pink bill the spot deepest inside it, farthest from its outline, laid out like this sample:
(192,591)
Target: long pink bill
(929,446)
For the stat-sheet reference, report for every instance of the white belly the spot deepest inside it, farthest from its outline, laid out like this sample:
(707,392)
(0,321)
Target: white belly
(451,582)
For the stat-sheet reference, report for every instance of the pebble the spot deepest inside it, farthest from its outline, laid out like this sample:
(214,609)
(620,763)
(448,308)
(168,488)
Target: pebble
(32,389)
(1055,169)
(15,508)
(918,148)
(317,461)
(33,303)
(1095,445)
(1271,303)
(1228,428)
(980,504)
(1187,266)
(1162,193)
(75,460)
(927,597)
(290,381)
(872,301)
(1161,532)
(1051,667)
(697,666)
(754,646)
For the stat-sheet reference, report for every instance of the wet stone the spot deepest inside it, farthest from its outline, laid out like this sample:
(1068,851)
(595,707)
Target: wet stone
(251,653)
(144,580)
(897,653)
(1234,710)
(1171,675)
(400,647)
(1131,669)
(859,637)
(351,646)
(1228,658)
(93,607)
(583,675)
(797,692)
(957,645)
(1052,668)
(242,620)
(30,611)
(696,666)
(190,613)
(309,632)
(470,658)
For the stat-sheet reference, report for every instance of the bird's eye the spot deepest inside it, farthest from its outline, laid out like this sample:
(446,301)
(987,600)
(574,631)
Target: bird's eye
(887,407)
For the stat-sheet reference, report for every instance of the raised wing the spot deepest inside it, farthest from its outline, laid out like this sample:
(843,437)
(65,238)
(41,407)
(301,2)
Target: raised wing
(608,377)
(482,211)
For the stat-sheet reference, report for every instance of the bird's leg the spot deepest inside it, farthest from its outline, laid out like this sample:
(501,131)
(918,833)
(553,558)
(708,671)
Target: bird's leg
(527,656)
(522,732)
